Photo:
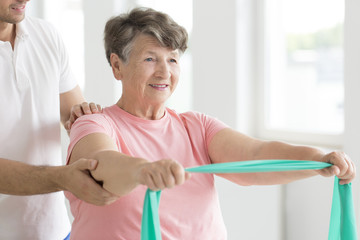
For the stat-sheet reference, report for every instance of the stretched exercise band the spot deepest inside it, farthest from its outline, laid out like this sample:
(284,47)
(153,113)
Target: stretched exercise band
(342,220)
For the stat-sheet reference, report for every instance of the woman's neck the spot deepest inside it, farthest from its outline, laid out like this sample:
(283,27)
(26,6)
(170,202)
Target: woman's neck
(145,111)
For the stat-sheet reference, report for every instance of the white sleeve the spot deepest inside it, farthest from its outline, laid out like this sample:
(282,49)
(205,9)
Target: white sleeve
(67,78)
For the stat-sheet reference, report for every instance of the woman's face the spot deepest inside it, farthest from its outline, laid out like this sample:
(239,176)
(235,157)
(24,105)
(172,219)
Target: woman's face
(152,72)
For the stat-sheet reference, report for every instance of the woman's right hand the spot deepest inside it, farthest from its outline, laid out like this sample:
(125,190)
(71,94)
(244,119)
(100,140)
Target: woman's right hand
(165,173)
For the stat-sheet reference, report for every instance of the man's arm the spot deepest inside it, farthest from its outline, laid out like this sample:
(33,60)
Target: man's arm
(23,179)
(68,100)
(73,105)
(18,178)
(229,146)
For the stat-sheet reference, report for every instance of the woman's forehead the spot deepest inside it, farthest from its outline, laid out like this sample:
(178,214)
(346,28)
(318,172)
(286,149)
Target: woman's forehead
(146,41)
(147,44)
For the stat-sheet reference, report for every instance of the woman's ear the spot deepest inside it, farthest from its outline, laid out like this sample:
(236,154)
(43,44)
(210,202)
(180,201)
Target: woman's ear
(116,64)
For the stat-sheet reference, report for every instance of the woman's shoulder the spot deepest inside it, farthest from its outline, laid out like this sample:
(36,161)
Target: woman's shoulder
(199,119)
(195,116)
(101,118)
(190,118)
(92,123)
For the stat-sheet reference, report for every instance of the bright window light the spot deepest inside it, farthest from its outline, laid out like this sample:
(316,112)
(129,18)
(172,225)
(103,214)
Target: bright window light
(304,82)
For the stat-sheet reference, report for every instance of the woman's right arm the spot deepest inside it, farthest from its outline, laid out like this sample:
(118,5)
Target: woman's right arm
(121,173)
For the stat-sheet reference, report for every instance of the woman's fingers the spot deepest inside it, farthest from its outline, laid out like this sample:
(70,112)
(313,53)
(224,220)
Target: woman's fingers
(343,167)
(163,174)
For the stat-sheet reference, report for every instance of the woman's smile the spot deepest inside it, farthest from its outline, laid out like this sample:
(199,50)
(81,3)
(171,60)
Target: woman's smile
(160,87)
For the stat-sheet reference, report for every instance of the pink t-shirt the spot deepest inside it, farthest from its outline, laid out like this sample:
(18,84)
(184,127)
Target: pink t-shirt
(189,211)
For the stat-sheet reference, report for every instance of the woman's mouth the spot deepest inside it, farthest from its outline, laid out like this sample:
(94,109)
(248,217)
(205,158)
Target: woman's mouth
(159,86)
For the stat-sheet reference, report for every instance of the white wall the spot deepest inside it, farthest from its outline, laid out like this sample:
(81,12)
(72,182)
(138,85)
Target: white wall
(249,212)
(100,86)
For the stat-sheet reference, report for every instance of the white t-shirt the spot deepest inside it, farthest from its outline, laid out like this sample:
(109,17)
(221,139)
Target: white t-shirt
(31,79)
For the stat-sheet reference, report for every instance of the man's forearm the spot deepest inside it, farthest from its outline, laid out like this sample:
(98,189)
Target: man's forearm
(18,178)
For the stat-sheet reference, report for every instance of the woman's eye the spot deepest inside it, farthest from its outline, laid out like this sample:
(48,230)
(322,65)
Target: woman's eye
(149,59)
(173,60)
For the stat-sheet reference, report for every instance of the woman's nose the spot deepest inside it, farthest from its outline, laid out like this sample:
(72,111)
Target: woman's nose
(163,70)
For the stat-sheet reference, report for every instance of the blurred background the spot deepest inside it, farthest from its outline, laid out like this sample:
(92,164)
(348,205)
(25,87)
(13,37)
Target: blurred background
(273,69)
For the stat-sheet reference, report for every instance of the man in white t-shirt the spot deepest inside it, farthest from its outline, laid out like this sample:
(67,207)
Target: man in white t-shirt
(37,90)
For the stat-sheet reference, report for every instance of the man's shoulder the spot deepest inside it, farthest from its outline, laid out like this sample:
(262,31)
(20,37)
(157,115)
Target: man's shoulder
(30,20)
(33,24)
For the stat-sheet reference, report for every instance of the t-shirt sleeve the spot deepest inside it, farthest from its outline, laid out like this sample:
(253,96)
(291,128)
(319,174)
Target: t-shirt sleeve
(67,77)
(88,124)
(211,126)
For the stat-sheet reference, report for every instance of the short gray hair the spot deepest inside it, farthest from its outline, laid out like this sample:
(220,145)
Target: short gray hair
(120,32)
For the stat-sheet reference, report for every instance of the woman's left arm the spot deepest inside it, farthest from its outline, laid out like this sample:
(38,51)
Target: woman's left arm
(229,146)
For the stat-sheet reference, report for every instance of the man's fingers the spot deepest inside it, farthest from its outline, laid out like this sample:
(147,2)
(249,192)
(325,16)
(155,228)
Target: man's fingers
(76,111)
(95,108)
(99,107)
(102,197)
(85,108)
(67,125)
(98,195)
(86,164)
(90,191)
(80,110)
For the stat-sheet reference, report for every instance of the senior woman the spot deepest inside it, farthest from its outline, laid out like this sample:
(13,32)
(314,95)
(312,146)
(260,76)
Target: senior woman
(139,143)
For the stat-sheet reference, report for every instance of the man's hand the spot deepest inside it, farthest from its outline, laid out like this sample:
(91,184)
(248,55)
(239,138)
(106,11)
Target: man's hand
(343,167)
(79,110)
(162,174)
(77,180)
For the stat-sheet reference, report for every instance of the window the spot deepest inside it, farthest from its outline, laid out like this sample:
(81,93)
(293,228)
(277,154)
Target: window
(303,78)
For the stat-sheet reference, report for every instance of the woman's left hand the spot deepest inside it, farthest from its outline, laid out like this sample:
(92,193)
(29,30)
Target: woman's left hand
(343,167)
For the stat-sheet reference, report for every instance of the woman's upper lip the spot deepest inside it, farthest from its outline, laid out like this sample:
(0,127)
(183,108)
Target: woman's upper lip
(158,85)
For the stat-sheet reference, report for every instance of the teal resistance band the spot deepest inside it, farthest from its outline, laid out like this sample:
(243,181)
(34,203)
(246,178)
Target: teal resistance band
(342,221)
